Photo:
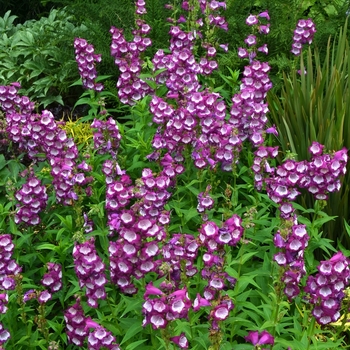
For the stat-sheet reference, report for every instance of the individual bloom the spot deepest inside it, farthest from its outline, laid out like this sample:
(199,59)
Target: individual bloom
(200,302)
(181,19)
(205,202)
(29,295)
(272,130)
(88,224)
(152,290)
(263,49)
(264,14)
(44,296)
(209,230)
(181,341)
(242,53)
(263,338)
(264,29)
(316,149)
(224,47)
(250,40)
(220,312)
(251,20)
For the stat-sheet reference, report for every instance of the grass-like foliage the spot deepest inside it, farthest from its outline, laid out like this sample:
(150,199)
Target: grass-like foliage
(314,106)
(175,226)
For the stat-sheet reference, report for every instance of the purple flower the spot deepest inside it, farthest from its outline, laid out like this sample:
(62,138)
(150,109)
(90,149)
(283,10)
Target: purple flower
(181,341)
(272,130)
(262,338)
(264,14)
(4,335)
(251,20)
(250,40)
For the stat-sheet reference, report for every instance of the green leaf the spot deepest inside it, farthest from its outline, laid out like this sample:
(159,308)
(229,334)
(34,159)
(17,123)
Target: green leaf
(47,246)
(133,330)
(135,344)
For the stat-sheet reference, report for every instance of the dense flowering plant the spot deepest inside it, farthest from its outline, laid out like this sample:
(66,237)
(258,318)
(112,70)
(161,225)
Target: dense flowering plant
(177,228)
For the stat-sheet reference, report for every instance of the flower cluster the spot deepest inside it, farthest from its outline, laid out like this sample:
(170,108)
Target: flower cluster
(11,102)
(76,324)
(261,165)
(78,328)
(41,134)
(90,271)
(4,333)
(248,111)
(100,338)
(303,34)
(319,176)
(164,308)
(8,267)
(137,213)
(52,280)
(106,136)
(293,242)
(326,288)
(179,255)
(127,56)
(181,72)
(200,122)
(213,239)
(211,11)
(86,59)
(251,40)
(324,171)
(32,200)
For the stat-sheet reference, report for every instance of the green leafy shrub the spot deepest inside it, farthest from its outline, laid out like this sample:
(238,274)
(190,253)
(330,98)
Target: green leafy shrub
(40,55)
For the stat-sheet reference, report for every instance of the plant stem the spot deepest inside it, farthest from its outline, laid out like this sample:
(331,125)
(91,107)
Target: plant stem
(311,332)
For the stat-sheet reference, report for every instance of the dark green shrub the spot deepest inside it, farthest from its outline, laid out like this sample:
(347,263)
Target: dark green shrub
(40,55)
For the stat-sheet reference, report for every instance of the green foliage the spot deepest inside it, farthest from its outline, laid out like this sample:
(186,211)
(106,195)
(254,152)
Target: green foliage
(40,55)
(315,107)
(258,296)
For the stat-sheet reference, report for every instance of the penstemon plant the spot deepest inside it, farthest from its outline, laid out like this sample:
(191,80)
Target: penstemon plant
(176,228)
